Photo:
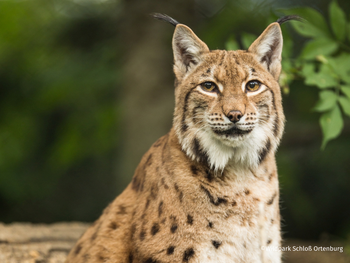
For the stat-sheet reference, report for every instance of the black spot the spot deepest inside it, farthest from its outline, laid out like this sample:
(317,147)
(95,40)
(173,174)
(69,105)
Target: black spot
(179,192)
(272,199)
(173,228)
(198,152)
(138,180)
(101,257)
(253,70)
(273,100)
(270,176)
(170,250)
(163,152)
(247,192)
(155,229)
(275,126)
(263,153)
(150,260)
(147,204)
(77,249)
(210,224)
(158,142)
(181,196)
(113,225)
(94,236)
(160,208)
(176,82)
(190,219)
(131,258)
(142,235)
(184,126)
(269,241)
(122,210)
(132,231)
(194,169)
(188,254)
(211,198)
(216,244)
(208,70)
(209,175)
(149,160)
(154,191)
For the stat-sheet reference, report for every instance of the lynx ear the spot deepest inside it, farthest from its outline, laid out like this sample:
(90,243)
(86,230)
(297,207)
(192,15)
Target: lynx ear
(268,49)
(188,50)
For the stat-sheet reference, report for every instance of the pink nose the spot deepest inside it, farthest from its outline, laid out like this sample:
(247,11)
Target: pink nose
(234,116)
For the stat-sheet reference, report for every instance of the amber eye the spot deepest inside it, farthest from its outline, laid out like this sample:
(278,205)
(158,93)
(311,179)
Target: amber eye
(208,86)
(253,85)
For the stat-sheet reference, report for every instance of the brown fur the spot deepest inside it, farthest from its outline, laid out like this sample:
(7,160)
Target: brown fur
(181,205)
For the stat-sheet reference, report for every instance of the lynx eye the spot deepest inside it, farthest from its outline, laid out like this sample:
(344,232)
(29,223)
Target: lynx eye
(208,86)
(253,85)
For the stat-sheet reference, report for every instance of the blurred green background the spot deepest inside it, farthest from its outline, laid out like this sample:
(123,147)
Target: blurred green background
(86,86)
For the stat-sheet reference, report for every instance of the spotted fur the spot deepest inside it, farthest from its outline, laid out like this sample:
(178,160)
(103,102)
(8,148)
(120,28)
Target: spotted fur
(208,190)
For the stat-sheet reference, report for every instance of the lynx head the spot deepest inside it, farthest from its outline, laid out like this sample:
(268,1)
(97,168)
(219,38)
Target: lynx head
(228,107)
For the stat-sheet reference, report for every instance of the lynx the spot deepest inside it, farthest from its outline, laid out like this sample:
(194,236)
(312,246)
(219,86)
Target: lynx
(208,190)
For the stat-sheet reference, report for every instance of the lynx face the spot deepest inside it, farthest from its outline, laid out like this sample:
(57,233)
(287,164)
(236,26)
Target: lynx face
(228,103)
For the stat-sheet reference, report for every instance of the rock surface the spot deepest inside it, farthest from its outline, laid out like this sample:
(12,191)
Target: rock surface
(40,243)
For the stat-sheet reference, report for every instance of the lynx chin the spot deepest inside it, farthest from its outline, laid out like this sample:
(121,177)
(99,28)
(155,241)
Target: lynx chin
(208,190)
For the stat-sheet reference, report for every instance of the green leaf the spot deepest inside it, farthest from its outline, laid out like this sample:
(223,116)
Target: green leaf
(345,104)
(319,46)
(346,90)
(287,46)
(338,20)
(327,101)
(323,79)
(247,40)
(308,69)
(315,26)
(231,44)
(331,123)
(341,66)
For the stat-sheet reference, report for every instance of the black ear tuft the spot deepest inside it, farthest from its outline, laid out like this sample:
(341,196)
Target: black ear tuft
(165,18)
(288,18)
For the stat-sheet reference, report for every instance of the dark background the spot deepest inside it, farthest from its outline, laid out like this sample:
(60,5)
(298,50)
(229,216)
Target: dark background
(86,87)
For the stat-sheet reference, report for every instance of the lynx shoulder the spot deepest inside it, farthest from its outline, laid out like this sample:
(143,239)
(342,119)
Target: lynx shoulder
(208,190)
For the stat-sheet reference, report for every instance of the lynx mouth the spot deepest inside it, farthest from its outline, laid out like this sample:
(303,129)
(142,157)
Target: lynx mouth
(232,132)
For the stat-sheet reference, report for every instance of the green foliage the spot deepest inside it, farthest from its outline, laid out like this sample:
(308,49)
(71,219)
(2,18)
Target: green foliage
(57,103)
(323,62)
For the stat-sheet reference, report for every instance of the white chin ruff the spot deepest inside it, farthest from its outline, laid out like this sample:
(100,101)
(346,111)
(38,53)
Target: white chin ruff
(241,151)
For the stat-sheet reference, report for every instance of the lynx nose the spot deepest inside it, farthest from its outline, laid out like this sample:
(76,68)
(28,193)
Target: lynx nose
(234,115)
